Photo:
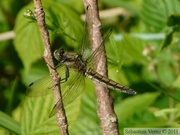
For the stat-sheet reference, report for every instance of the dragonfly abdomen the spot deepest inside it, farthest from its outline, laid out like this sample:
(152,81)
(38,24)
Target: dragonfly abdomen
(91,74)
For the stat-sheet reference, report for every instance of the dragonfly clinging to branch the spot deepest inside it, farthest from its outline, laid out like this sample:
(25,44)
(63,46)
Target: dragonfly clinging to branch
(73,68)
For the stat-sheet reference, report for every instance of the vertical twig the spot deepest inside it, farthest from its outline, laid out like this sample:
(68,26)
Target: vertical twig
(108,119)
(40,17)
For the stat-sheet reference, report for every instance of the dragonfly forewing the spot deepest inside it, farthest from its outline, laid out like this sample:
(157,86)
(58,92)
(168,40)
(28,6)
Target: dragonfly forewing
(43,86)
(70,90)
(40,87)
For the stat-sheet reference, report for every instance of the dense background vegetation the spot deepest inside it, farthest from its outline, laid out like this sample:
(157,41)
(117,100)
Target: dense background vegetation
(143,53)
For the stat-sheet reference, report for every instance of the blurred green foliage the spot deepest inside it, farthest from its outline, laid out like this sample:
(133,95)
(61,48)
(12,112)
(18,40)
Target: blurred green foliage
(143,53)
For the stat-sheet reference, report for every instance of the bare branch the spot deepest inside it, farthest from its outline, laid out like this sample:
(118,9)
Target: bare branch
(40,17)
(108,119)
(109,13)
(7,35)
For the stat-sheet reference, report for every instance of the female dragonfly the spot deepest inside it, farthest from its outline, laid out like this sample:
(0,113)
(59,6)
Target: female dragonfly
(73,68)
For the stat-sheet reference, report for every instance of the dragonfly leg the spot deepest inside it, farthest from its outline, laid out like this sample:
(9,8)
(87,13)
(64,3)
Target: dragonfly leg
(63,80)
(57,65)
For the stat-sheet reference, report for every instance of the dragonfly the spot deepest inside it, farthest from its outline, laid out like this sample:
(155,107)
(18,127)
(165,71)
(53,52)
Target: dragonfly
(73,69)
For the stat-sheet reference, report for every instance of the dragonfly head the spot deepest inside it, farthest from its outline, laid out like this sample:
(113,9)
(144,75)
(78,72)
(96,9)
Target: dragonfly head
(59,54)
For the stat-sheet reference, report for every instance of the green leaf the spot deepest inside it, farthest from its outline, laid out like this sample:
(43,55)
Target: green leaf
(87,121)
(35,117)
(130,5)
(60,19)
(155,13)
(37,109)
(173,20)
(124,53)
(65,22)
(124,111)
(35,114)
(165,112)
(9,124)
(134,104)
(28,41)
(4,22)
(164,61)
(133,49)
(168,39)
(176,83)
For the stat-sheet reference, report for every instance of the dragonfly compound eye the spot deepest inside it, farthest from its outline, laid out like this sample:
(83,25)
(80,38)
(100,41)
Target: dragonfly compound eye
(58,54)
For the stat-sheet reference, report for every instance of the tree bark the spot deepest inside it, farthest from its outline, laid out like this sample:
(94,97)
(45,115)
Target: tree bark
(107,116)
(61,117)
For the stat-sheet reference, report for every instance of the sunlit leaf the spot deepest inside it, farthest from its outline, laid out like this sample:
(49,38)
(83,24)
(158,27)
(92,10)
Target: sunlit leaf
(167,78)
(168,39)
(130,106)
(9,124)
(35,117)
(28,41)
(177,82)
(30,47)
(155,13)
(88,113)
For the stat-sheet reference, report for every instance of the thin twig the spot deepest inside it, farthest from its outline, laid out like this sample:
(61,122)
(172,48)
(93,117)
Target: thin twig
(109,13)
(108,119)
(7,35)
(40,17)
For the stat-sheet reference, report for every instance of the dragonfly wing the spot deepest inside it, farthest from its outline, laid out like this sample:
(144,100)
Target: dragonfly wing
(40,87)
(85,43)
(43,86)
(74,90)
(97,53)
(70,90)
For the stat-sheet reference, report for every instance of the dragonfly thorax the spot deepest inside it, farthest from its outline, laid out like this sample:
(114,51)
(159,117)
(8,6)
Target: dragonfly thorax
(71,60)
